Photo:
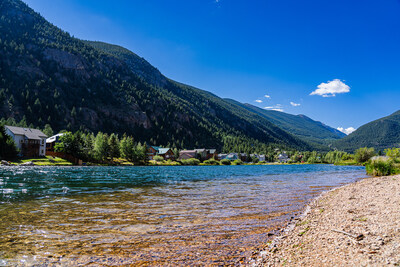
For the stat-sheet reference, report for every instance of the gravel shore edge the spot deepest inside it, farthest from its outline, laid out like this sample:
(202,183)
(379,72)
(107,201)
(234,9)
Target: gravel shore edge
(353,225)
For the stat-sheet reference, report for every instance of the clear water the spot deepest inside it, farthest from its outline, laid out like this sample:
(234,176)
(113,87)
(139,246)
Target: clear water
(152,215)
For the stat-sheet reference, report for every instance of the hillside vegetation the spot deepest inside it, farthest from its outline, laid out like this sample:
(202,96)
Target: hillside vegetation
(300,125)
(379,134)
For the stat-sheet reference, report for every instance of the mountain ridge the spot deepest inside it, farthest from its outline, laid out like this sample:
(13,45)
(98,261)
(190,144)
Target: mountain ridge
(49,77)
(380,134)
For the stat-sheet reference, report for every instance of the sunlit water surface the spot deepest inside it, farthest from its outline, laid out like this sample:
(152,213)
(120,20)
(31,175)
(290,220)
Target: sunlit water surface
(152,215)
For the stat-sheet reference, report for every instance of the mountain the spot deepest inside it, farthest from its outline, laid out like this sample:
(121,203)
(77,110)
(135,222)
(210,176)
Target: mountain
(298,125)
(380,134)
(50,77)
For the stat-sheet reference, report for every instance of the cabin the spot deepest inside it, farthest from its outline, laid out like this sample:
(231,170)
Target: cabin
(187,154)
(30,142)
(212,154)
(233,156)
(52,141)
(259,157)
(166,153)
(152,151)
(283,158)
(202,153)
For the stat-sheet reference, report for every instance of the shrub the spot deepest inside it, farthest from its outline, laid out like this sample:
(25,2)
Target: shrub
(393,153)
(190,161)
(364,154)
(225,162)
(237,162)
(211,162)
(158,158)
(380,166)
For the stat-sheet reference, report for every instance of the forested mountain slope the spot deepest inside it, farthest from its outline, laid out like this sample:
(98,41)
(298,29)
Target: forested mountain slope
(299,125)
(380,134)
(49,77)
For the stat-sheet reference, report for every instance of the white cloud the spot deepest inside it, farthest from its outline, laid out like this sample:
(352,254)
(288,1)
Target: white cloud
(331,88)
(258,101)
(294,104)
(267,96)
(347,130)
(277,107)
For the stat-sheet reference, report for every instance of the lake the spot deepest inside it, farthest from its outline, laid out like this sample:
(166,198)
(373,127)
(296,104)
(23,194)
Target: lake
(179,215)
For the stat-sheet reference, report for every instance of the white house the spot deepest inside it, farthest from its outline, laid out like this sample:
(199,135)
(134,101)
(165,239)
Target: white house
(30,142)
(283,157)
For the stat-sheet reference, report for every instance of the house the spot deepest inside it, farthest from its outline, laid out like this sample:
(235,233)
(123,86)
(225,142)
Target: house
(152,151)
(187,154)
(30,142)
(202,152)
(259,157)
(232,156)
(212,154)
(222,156)
(166,153)
(52,141)
(283,157)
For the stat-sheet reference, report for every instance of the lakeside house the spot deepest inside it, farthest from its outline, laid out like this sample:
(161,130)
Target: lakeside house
(259,157)
(230,156)
(212,154)
(30,142)
(283,157)
(166,153)
(52,141)
(199,153)
(187,154)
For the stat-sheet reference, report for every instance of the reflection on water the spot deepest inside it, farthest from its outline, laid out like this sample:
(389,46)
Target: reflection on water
(151,215)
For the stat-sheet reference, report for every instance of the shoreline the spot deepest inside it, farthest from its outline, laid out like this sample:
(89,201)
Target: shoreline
(337,230)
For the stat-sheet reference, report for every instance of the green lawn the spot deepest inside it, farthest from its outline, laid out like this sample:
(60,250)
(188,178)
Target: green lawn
(45,161)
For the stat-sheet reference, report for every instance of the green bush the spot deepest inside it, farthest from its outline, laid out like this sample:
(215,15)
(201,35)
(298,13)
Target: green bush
(237,162)
(225,162)
(158,158)
(380,167)
(364,154)
(393,153)
(211,162)
(190,161)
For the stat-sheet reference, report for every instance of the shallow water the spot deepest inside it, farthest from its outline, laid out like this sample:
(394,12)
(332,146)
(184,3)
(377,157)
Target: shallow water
(152,215)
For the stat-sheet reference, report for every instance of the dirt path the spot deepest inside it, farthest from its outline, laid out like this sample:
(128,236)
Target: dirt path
(355,225)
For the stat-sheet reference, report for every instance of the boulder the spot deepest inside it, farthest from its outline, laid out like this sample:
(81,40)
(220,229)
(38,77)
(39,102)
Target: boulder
(4,162)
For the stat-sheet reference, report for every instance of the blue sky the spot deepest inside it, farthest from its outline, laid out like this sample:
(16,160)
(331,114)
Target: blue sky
(248,49)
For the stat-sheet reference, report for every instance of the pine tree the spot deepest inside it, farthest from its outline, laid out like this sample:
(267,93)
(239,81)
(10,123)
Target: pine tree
(113,144)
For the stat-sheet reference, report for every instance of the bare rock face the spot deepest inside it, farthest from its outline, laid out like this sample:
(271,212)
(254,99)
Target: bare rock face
(65,59)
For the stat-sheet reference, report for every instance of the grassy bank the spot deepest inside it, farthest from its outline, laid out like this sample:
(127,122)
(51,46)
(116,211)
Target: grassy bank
(44,161)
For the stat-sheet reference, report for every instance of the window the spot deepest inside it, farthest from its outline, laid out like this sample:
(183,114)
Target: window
(42,141)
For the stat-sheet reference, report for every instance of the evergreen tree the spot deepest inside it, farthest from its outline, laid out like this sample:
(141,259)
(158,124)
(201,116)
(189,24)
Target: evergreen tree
(101,148)
(113,144)
(8,149)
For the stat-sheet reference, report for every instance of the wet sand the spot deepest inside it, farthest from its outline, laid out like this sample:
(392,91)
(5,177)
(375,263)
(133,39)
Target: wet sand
(354,225)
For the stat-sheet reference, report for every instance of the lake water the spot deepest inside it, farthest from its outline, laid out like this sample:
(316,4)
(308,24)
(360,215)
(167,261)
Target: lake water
(152,215)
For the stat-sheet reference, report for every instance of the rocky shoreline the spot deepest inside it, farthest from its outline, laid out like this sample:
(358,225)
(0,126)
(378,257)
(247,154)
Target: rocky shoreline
(354,225)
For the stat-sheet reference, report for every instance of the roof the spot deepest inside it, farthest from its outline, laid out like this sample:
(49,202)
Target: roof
(212,151)
(156,148)
(162,151)
(29,133)
(200,150)
(53,138)
(187,151)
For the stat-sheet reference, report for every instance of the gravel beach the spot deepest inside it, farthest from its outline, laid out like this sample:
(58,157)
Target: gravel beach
(354,225)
